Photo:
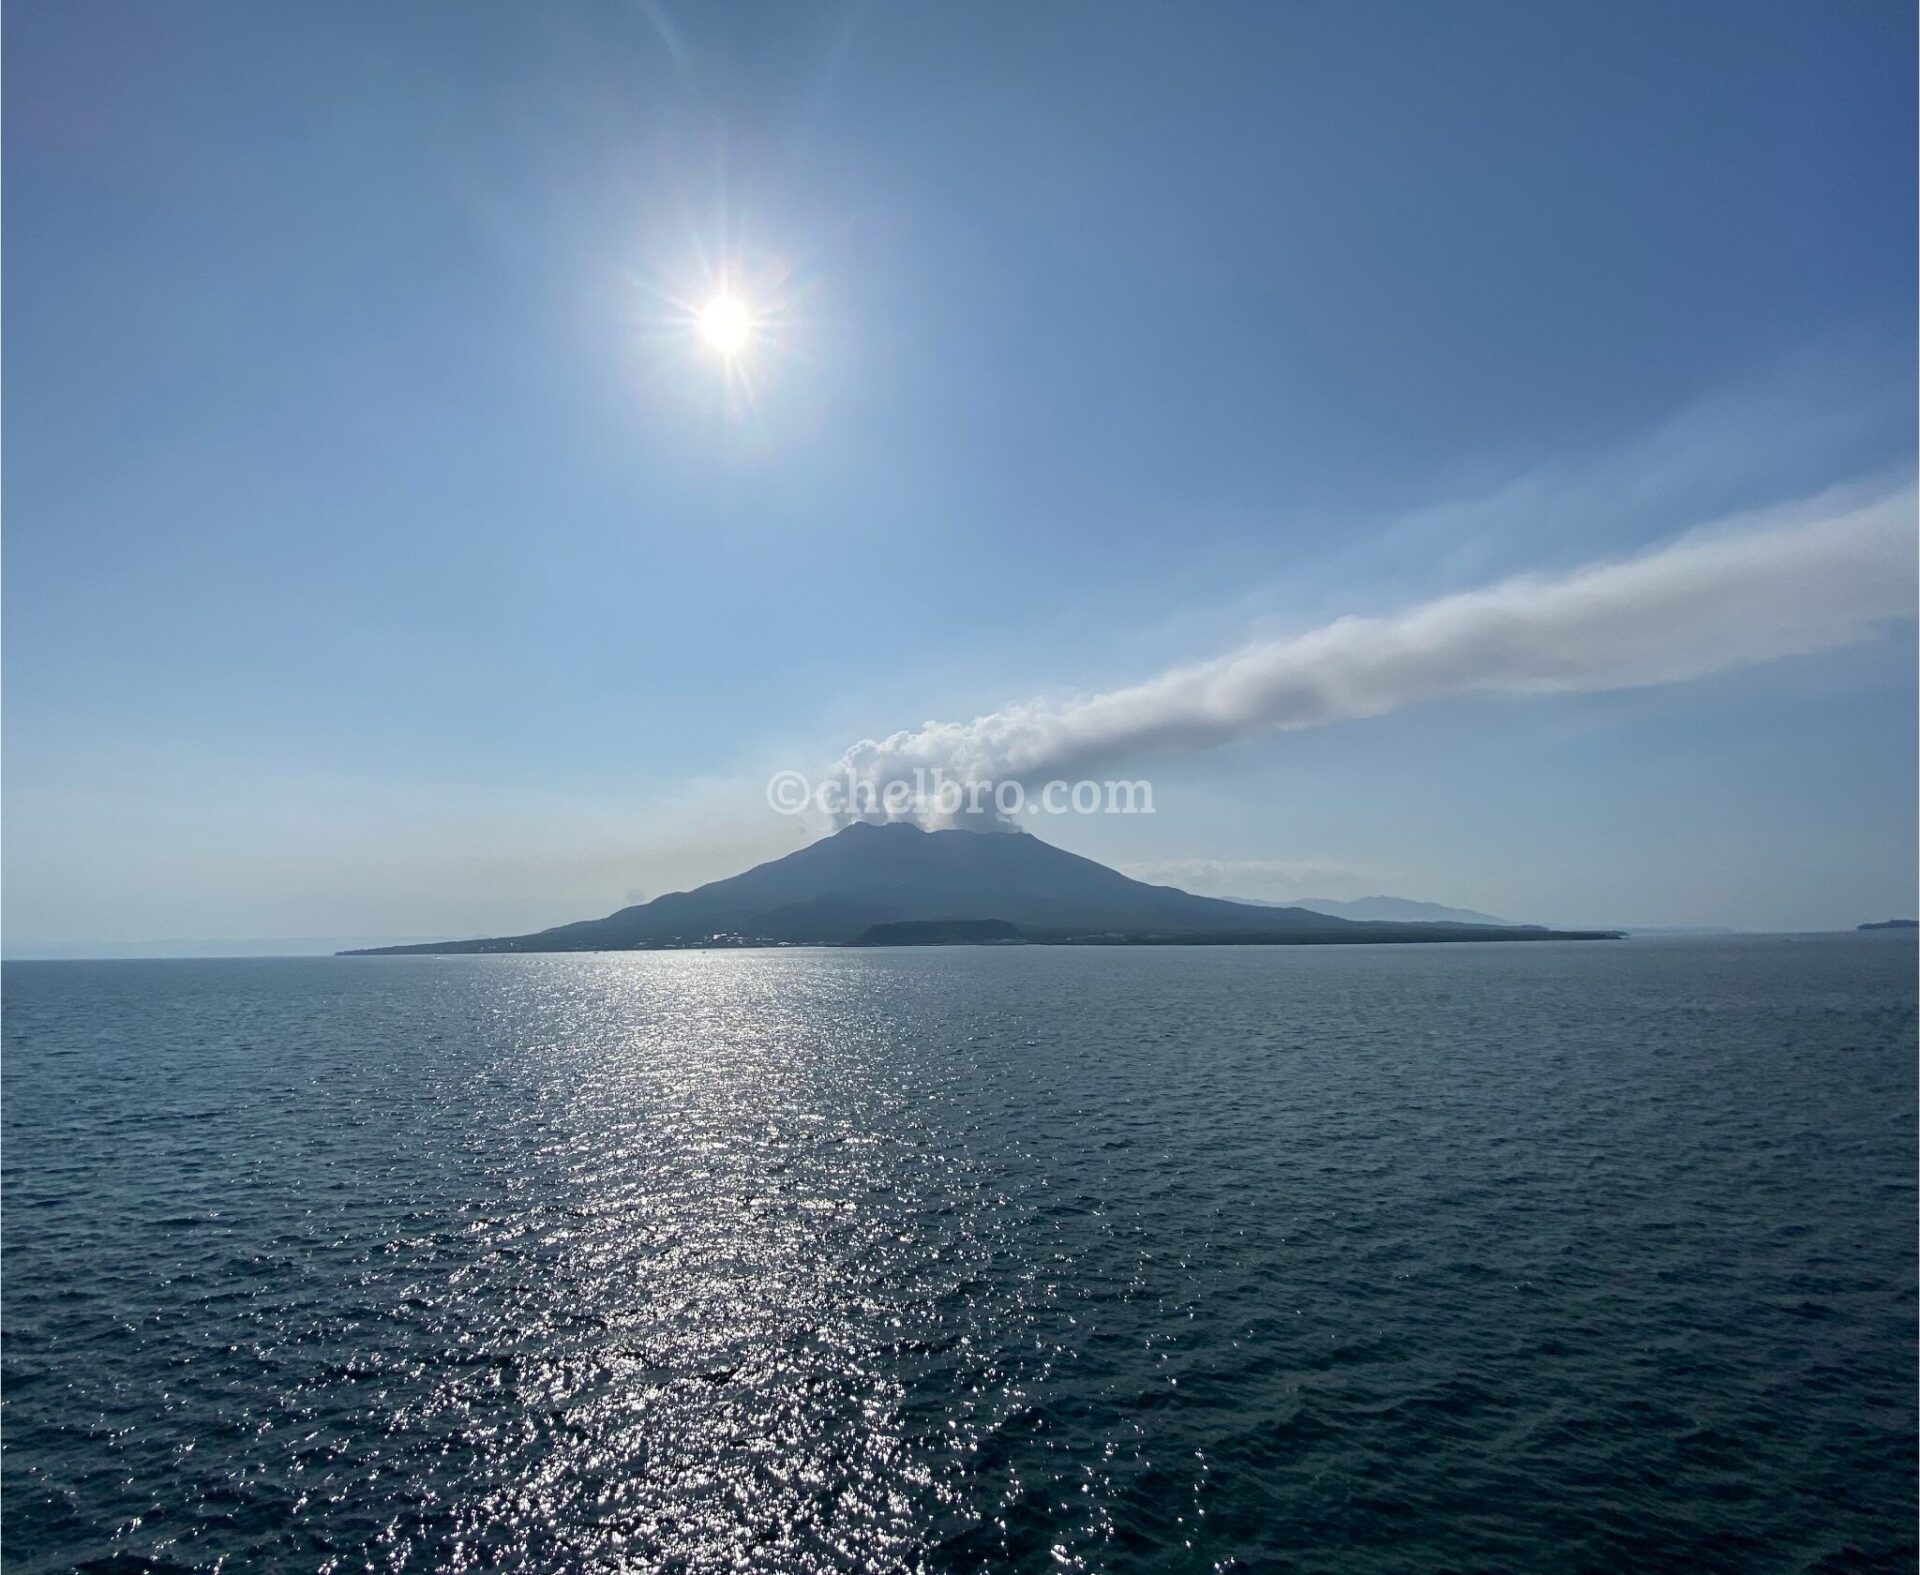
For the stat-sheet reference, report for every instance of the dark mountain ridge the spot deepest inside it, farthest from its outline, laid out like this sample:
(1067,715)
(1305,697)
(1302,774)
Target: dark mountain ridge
(839,888)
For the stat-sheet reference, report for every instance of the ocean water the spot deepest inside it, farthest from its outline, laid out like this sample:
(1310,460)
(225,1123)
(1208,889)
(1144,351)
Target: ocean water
(1549,1257)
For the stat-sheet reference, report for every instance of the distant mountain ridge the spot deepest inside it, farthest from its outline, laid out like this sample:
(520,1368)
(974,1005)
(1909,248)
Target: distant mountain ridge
(839,888)
(1393,910)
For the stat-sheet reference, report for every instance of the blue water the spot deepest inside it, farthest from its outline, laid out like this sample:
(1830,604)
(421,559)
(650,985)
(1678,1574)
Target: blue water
(1544,1257)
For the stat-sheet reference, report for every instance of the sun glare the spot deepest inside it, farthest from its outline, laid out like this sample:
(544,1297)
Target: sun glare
(730,321)
(724,324)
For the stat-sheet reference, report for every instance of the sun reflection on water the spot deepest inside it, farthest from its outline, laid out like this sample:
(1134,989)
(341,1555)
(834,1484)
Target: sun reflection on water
(732,1241)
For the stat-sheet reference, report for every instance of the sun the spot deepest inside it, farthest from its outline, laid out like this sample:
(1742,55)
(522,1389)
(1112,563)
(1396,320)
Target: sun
(725,324)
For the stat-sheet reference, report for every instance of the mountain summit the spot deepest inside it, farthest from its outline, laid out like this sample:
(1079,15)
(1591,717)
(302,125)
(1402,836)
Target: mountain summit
(841,887)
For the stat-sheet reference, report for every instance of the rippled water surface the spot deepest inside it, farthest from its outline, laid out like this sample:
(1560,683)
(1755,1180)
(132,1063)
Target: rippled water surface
(1544,1257)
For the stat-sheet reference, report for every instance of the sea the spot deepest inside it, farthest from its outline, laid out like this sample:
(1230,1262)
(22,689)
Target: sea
(1554,1256)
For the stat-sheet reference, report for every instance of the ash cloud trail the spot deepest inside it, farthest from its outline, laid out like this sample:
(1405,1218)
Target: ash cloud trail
(1702,604)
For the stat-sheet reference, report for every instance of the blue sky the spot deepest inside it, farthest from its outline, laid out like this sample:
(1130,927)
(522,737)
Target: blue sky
(385,557)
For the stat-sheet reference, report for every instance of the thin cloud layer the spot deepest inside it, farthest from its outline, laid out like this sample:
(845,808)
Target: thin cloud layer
(1705,603)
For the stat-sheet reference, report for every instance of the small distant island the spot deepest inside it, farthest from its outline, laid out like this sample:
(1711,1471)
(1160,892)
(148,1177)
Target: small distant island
(1892,924)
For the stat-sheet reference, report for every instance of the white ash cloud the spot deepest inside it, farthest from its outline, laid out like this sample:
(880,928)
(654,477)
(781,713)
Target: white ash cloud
(1782,584)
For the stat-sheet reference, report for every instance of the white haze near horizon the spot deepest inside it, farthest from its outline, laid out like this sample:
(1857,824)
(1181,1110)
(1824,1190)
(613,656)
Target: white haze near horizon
(1785,582)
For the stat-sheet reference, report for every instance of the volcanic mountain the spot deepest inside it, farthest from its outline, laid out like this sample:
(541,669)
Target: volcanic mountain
(841,887)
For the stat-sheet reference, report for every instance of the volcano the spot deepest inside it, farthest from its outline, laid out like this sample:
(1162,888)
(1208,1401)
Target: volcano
(873,882)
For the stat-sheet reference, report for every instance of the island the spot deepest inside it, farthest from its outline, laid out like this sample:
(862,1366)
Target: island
(898,885)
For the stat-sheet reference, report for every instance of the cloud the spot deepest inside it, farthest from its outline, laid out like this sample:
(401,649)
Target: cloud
(1785,583)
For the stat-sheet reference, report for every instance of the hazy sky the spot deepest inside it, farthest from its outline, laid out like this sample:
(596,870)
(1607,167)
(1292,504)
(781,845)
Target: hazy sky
(385,555)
